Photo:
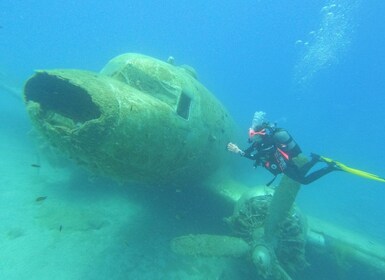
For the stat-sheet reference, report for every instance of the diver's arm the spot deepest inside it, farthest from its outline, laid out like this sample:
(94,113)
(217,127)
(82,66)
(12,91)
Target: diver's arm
(250,153)
(247,153)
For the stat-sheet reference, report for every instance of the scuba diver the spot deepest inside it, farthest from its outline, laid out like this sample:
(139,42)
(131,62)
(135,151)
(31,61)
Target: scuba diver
(275,149)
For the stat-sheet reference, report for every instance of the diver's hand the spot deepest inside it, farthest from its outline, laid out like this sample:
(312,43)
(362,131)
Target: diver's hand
(234,149)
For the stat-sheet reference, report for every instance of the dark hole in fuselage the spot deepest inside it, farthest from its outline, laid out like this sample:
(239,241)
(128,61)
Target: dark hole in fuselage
(60,96)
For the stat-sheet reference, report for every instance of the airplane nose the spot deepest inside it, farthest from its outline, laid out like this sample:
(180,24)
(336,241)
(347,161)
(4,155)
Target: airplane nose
(57,95)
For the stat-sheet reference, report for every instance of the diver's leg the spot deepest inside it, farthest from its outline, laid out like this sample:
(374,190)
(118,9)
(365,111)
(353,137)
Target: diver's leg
(293,171)
(318,174)
(299,173)
(307,166)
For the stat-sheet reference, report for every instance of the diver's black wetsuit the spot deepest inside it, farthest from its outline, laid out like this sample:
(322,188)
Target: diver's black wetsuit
(276,151)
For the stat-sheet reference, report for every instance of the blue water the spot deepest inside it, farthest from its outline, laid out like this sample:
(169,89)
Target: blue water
(315,67)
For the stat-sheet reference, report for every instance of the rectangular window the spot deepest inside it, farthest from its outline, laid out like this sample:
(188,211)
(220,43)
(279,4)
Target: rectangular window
(184,104)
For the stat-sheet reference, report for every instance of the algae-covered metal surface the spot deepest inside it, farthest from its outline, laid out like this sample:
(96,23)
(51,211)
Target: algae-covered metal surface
(139,119)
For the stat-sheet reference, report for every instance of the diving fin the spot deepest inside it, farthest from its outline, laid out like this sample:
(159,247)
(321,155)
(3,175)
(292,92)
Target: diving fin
(354,171)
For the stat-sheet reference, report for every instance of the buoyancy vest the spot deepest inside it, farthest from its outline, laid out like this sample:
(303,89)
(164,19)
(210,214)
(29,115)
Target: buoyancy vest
(277,149)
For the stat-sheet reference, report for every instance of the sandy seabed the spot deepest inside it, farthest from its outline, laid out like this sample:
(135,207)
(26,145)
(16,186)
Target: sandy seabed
(60,222)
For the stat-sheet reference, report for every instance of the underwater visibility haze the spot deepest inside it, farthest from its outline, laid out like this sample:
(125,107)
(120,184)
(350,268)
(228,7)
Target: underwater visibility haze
(315,67)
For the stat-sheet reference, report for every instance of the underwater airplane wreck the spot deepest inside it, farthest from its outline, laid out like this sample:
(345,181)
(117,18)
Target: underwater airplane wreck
(141,119)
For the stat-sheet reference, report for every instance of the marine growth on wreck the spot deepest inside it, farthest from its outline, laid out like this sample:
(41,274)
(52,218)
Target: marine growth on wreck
(138,119)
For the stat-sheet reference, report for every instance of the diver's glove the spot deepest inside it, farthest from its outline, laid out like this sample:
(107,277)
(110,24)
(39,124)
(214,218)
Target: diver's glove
(234,149)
